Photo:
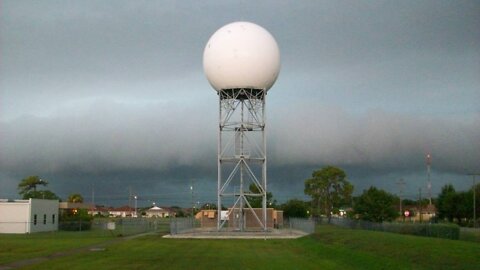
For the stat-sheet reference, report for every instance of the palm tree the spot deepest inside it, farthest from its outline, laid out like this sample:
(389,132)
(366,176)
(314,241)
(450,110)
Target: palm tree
(29,183)
(75,198)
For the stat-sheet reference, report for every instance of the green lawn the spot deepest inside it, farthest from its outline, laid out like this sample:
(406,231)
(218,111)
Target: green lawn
(14,247)
(329,248)
(470,235)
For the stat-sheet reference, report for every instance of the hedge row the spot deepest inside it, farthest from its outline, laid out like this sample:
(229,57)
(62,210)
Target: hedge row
(77,225)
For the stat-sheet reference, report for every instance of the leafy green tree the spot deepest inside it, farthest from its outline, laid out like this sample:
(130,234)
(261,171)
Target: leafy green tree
(75,220)
(28,189)
(477,203)
(256,201)
(30,184)
(409,202)
(40,194)
(376,205)
(446,203)
(464,206)
(295,208)
(180,213)
(457,206)
(75,198)
(328,188)
(208,206)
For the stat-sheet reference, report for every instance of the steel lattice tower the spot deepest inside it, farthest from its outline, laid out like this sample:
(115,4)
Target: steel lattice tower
(241,61)
(242,159)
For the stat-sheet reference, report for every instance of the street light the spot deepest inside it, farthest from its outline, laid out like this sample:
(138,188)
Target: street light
(193,204)
(135,197)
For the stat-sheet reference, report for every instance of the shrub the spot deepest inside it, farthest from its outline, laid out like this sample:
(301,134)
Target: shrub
(75,220)
(75,225)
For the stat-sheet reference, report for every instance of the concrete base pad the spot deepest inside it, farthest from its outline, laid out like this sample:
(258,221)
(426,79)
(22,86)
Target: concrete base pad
(209,234)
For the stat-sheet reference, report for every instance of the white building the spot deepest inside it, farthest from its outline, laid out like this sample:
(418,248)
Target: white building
(124,211)
(157,212)
(28,216)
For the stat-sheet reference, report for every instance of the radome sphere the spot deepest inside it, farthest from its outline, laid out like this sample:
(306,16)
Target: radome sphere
(241,55)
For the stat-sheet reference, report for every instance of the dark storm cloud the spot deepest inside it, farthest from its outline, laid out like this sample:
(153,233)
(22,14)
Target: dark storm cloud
(164,137)
(108,92)
(376,140)
(108,137)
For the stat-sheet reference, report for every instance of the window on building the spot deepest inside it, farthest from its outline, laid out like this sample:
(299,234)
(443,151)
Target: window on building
(35,219)
(44,219)
(53,219)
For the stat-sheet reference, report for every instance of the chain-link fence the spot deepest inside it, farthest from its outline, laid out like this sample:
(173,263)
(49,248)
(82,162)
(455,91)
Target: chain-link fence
(130,226)
(449,231)
(97,226)
(300,224)
(189,225)
(182,225)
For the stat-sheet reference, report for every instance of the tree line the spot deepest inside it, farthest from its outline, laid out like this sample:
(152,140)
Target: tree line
(330,191)
(28,189)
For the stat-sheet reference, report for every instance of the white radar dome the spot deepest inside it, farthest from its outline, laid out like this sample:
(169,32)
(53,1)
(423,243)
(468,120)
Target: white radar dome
(241,55)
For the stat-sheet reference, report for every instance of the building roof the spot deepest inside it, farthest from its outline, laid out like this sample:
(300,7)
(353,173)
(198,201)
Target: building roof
(429,208)
(70,205)
(100,208)
(158,209)
(124,208)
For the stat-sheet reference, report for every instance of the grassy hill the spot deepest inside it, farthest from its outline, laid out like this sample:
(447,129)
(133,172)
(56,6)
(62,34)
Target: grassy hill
(329,248)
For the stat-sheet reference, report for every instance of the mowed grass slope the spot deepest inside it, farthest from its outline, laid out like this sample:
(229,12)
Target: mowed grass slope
(14,247)
(329,248)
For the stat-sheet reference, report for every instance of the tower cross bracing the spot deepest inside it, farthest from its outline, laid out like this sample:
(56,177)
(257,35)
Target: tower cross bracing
(241,155)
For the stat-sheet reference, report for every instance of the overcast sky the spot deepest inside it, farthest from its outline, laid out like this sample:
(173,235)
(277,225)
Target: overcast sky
(111,95)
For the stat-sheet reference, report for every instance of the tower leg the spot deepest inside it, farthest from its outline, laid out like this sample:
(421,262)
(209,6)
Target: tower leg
(242,156)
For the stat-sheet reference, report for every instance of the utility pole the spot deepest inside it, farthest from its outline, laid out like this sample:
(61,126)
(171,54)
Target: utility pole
(420,204)
(474,197)
(429,183)
(193,204)
(130,197)
(401,184)
(93,199)
(135,197)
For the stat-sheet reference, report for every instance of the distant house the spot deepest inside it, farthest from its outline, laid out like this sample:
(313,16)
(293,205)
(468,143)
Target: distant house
(123,211)
(28,216)
(274,218)
(208,218)
(100,210)
(416,214)
(68,206)
(158,212)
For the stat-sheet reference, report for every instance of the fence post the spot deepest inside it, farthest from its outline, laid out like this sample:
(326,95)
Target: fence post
(290,225)
(174,225)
